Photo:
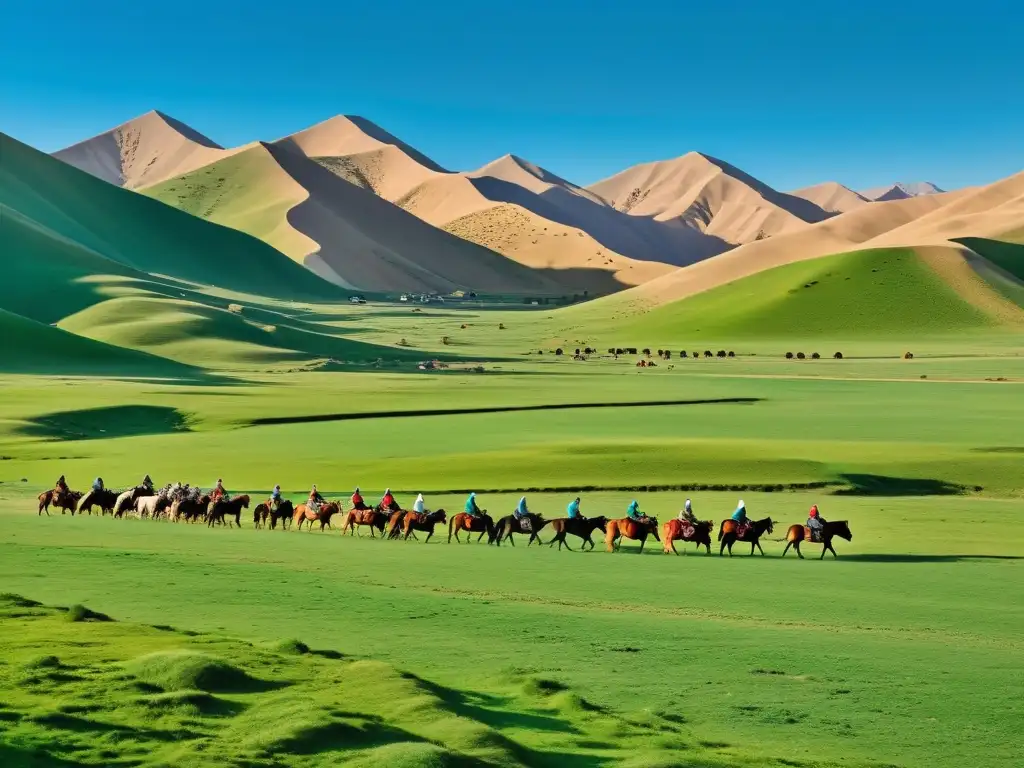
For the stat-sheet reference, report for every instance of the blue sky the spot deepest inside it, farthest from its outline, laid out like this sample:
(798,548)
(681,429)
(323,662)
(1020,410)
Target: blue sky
(794,93)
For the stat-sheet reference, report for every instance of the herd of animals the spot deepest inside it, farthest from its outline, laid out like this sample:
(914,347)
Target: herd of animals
(189,504)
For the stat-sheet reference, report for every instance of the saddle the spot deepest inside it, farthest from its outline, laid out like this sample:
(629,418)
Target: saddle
(742,529)
(812,535)
(686,529)
(525,524)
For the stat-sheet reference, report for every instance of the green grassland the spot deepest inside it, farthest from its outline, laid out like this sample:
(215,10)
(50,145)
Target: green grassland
(139,338)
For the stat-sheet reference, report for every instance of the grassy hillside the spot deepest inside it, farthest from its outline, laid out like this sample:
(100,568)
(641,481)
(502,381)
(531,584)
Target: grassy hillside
(137,233)
(870,293)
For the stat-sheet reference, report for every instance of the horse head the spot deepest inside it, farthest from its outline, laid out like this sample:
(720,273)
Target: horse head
(600,522)
(440,516)
(243,500)
(652,524)
(768,525)
(841,529)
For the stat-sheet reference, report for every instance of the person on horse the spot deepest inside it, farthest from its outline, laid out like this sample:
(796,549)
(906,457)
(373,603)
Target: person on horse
(419,506)
(573,510)
(61,486)
(388,503)
(740,518)
(471,508)
(218,492)
(275,497)
(315,499)
(816,523)
(357,501)
(521,510)
(686,515)
(634,513)
(97,484)
(147,483)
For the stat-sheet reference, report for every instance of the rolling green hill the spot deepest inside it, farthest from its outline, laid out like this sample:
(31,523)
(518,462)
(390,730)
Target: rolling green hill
(870,293)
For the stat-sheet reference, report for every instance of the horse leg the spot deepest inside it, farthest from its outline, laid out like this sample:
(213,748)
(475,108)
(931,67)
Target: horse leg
(672,543)
(642,542)
(788,545)
(478,537)
(429,534)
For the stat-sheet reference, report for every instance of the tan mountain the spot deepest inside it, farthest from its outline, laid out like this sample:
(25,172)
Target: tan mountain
(832,197)
(143,151)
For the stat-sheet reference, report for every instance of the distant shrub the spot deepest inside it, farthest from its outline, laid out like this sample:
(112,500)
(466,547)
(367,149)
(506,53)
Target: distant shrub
(668,354)
(800,356)
(403,343)
(908,355)
(190,670)
(647,351)
(540,351)
(707,353)
(789,355)
(695,354)
(838,356)
(620,351)
(464,326)
(731,353)
(661,353)
(558,351)
(577,350)
(446,340)
(815,356)
(631,350)
(78,612)
(588,351)
(722,353)
(682,353)
(501,326)
(611,351)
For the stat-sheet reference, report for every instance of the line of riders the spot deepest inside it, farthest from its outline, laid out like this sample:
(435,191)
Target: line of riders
(636,524)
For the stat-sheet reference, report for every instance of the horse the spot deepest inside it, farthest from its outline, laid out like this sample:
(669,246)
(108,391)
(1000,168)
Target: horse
(375,518)
(699,533)
(577,526)
(151,506)
(221,508)
(303,514)
(631,529)
(126,501)
(260,514)
(68,500)
(797,533)
(102,498)
(414,521)
(282,512)
(757,529)
(510,524)
(462,521)
(190,509)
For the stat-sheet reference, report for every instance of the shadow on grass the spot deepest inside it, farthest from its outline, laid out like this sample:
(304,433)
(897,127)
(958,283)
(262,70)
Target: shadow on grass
(881,558)
(37,757)
(882,485)
(110,421)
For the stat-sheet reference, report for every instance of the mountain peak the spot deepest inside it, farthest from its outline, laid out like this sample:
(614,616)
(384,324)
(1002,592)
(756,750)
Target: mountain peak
(902,190)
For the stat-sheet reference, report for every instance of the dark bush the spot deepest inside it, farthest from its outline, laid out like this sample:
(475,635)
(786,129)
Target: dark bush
(588,351)
(540,351)
(707,353)
(577,350)
(838,355)
(696,354)
(631,350)
(501,326)
(668,354)
(800,356)
(620,351)
(558,351)
(722,353)
(908,355)
(815,356)
(789,355)
(682,353)
(647,351)
(611,351)
(731,353)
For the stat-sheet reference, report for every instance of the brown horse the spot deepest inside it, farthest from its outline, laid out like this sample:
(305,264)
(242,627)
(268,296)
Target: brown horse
(511,524)
(676,529)
(797,533)
(102,498)
(631,529)
(414,521)
(283,512)
(303,514)
(66,501)
(190,510)
(375,518)
(223,508)
(481,524)
(757,529)
(261,514)
(577,526)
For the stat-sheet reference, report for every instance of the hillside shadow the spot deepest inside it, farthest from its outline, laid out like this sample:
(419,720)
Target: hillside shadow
(880,558)
(883,485)
(105,422)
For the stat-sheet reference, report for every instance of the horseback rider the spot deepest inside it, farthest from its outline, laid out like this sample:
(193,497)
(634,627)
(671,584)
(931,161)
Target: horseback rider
(521,510)
(357,500)
(315,499)
(471,508)
(419,506)
(97,484)
(573,510)
(740,518)
(275,497)
(218,492)
(634,513)
(61,486)
(816,523)
(147,483)
(686,515)
(388,503)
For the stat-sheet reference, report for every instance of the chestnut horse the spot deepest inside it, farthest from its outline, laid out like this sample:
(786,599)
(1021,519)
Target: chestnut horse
(189,509)
(577,526)
(414,521)
(699,534)
(303,514)
(796,534)
(462,521)
(356,518)
(261,514)
(510,524)
(222,508)
(63,501)
(103,498)
(757,529)
(631,529)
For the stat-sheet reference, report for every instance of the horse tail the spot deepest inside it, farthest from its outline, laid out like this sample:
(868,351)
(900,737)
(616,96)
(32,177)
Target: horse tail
(721,530)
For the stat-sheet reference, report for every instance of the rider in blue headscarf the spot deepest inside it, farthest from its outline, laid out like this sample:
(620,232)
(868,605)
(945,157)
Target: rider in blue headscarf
(634,511)
(740,515)
(471,507)
(521,510)
(573,510)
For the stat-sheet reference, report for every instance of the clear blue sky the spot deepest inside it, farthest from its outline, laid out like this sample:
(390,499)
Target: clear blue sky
(862,92)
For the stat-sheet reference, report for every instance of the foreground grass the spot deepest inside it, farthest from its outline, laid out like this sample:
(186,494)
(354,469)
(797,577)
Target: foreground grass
(902,651)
